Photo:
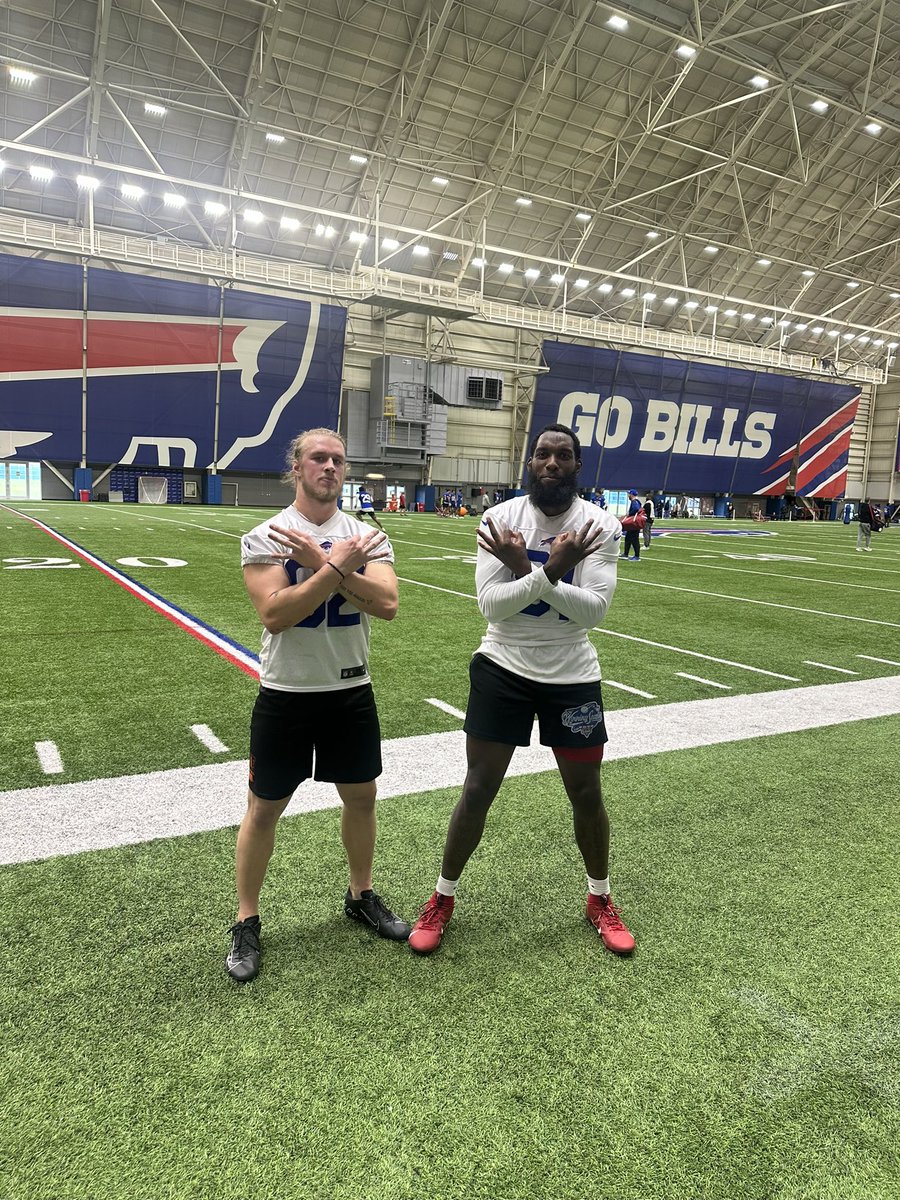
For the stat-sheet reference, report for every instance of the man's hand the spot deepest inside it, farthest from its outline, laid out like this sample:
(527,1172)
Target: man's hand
(299,546)
(569,549)
(352,553)
(507,545)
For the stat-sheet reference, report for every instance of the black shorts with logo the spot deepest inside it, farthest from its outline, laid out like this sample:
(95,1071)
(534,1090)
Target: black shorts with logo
(341,727)
(502,707)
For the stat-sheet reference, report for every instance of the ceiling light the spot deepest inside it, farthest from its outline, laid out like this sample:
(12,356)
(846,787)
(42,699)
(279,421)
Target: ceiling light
(851,284)
(421,251)
(652,234)
(764,262)
(848,337)
(831,333)
(692,304)
(711,308)
(766,320)
(277,138)
(325,231)
(605,288)
(581,283)
(359,158)
(892,345)
(87,182)
(557,278)
(686,51)
(784,324)
(439,180)
(878,342)
(649,296)
(42,174)
(131,191)
(807,274)
(895,295)
(505,268)
(748,316)
(290,224)
(711,249)
(524,201)
(873,127)
(450,256)
(253,216)
(759,81)
(819,106)
(583,217)
(155,110)
(532,273)
(358,237)
(862,339)
(617,23)
(20,75)
(670,300)
(800,326)
(817,329)
(390,244)
(479,262)
(730,312)
(213,208)
(627,292)
(172,200)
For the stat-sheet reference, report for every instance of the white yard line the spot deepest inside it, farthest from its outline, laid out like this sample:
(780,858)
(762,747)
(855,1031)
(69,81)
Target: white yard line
(888,661)
(445,707)
(49,757)
(204,734)
(726,687)
(826,667)
(667,561)
(813,612)
(74,817)
(623,687)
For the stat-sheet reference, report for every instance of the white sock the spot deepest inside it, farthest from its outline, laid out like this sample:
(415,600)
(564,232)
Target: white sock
(598,887)
(446,887)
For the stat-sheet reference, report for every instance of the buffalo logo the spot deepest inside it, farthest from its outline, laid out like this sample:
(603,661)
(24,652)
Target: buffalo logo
(584,719)
(547,541)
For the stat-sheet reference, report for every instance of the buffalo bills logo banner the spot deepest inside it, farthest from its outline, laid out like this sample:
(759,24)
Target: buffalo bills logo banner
(667,425)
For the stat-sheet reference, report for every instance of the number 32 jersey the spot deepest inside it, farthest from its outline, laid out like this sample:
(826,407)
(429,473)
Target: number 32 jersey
(329,649)
(537,629)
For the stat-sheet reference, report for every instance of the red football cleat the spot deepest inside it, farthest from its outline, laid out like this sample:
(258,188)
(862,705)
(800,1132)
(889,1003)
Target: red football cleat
(429,929)
(604,916)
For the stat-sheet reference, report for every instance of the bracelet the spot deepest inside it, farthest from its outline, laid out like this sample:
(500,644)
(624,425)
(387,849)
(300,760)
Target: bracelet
(338,569)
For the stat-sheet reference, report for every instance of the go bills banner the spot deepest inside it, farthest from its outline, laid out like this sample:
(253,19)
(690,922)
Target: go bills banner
(661,424)
(129,369)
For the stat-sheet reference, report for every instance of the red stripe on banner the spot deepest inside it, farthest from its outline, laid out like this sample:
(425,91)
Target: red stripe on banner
(30,344)
(136,591)
(823,458)
(830,425)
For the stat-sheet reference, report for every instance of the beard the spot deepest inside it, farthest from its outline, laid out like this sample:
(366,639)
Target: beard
(552,493)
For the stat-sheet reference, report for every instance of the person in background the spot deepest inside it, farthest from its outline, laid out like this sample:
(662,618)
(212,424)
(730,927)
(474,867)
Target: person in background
(868,520)
(545,576)
(600,498)
(631,527)
(315,579)
(367,508)
(649,510)
(485,501)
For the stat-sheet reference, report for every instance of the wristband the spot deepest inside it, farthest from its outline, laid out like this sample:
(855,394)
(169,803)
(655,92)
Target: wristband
(338,569)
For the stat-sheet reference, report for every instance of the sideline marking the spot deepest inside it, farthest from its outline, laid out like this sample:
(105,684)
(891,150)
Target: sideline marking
(726,687)
(447,708)
(623,687)
(825,667)
(888,661)
(204,734)
(242,658)
(49,757)
(97,814)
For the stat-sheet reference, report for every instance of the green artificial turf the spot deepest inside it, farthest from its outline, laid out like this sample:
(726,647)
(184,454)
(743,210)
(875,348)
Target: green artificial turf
(747,1050)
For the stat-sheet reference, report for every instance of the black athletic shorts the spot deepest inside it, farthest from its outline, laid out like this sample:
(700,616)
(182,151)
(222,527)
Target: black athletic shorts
(287,727)
(502,707)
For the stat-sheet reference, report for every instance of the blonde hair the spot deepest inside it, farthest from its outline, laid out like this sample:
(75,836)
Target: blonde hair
(297,446)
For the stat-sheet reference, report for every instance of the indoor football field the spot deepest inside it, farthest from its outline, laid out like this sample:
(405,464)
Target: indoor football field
(748,1050)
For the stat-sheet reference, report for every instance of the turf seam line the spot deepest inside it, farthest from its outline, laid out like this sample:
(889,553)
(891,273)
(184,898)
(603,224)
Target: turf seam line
(239,656)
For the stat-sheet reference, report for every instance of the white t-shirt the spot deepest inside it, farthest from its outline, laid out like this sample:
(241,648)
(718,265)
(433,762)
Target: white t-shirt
(536,629)
(328,650)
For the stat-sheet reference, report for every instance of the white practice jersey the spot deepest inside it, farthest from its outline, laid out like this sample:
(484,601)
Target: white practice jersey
(536,629)
(329,649)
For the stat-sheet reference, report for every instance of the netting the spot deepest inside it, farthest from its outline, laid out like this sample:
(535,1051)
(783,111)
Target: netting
(152,490)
